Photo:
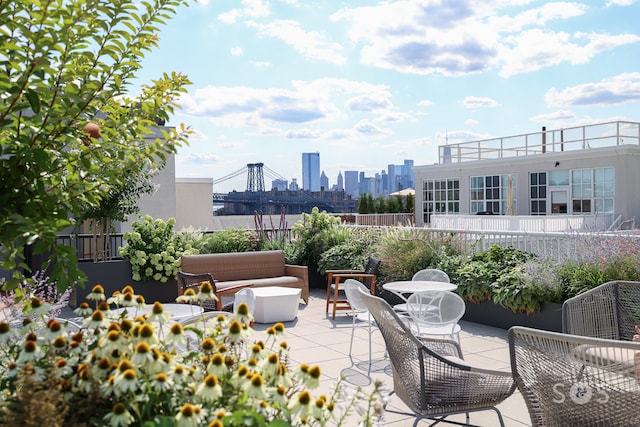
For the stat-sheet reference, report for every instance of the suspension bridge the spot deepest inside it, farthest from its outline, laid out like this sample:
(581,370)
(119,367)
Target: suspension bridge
(243,192)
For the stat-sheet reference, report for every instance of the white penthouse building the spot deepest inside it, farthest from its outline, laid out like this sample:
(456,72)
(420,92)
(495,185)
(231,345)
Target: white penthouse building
(590,175)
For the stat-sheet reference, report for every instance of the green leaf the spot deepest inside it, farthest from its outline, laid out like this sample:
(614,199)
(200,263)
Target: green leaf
(34,100)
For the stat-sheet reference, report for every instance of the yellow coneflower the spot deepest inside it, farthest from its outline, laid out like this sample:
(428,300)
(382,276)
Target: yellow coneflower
(30,352)
(96,294)
(158,314)
(6,334)
(96,320)
(161,382)
(208,345)
(83,310)
(255,387)
(300,405)
(147,333)
(236,333)
(216,365)
(206,292)
(142,354)
(209,390)
(126,382)
(190,415)
(176,336)
(189,296)
(119,416)
(128,289)
(127,300)
(270,366)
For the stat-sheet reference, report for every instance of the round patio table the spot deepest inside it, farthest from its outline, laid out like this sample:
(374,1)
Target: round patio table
(405,288)
(177,311)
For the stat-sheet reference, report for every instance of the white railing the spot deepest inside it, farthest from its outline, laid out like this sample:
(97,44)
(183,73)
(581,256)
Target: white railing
(543,223)
(556,140)
(379,220)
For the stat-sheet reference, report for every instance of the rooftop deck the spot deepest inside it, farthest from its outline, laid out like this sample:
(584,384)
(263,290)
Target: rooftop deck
(546,141)
(315,339)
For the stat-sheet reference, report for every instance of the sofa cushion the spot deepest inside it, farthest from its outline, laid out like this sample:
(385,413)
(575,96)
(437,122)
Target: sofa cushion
(236,266)
(288,281)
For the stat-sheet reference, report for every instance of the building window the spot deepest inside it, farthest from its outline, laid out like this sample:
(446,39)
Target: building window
(440,196)
(581,190)
(603,190)
(538,193)
(488,194)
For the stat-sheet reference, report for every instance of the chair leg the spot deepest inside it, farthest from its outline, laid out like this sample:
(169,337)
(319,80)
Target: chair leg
(335,298)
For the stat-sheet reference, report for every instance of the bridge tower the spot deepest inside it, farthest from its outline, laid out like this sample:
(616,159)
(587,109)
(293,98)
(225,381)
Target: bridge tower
(255,177)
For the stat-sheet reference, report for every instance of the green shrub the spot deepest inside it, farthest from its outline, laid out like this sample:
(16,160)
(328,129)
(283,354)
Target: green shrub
(406,250)
(230,240)
(353,253)
(312,235)
(154,250)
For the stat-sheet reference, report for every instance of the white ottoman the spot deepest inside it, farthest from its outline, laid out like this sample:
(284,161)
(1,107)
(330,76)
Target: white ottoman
(276,304)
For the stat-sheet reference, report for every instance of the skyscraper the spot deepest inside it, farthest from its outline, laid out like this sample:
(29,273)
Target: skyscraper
(351,183)
(340,183)
(324,181)
(311,171)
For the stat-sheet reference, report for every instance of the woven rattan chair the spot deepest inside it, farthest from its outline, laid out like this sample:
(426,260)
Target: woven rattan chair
(432,274)
(190,280)
(430,375)
(571,380)
(335,289)
(608,311)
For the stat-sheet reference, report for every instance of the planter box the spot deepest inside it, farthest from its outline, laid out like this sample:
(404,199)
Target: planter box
(116,274)
(549,318)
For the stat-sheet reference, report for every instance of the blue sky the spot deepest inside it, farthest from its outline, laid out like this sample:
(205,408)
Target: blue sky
(371,83)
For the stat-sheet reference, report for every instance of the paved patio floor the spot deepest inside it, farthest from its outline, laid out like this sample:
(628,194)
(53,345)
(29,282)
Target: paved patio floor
(316,339)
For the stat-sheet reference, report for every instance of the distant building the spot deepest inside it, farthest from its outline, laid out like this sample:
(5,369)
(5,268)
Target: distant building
(279,184)
(351,183)
(340,183)
(324,181)
(311,171)
(293,186)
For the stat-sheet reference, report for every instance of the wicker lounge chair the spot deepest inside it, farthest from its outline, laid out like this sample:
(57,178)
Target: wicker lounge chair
(571,380)
(608,311)
(430,375)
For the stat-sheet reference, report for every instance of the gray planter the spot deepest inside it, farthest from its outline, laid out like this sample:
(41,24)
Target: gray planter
(488,313)
(116,274)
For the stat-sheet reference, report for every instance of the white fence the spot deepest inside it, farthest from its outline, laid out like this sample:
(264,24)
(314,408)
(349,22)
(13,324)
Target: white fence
(528,223)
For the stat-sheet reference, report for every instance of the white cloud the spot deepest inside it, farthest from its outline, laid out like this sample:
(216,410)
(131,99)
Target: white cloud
(471,122)
(479,102)
(620,3)
(311,44)
(425,103)
(556,116)
(467,37)
(302,134)
(249,9)
(536,49)
(368,128)
(370,102)
(305,102)
(615,90)
(262,64)
(237,51)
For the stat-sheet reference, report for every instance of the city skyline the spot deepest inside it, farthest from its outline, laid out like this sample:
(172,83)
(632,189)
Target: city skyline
(374,84)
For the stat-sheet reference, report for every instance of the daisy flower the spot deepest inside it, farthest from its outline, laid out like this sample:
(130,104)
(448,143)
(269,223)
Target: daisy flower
(175,336)
(189,296)
(189,416)
(255,387)
(96,320)
(300,405)
(6,333)
(142,355)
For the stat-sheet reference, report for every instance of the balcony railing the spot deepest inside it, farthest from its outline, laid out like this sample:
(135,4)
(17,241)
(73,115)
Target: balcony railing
(546,141)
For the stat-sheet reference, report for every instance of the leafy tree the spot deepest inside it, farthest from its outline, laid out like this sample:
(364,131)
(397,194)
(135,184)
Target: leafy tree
(65,65)
(409,202)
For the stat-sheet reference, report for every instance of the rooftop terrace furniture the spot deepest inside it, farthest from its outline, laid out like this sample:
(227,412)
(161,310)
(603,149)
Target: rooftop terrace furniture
(258,268)
(571,380)
(435,313)
(609,311)
(431,376)
(432,274)
(335,286)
